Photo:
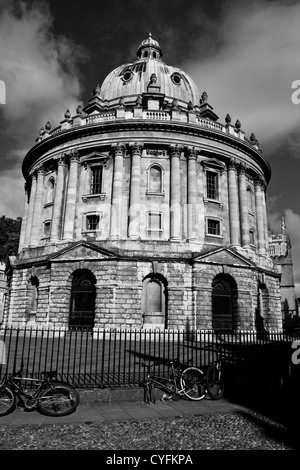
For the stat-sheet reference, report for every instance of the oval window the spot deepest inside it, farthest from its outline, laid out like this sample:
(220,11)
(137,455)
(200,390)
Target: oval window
(176,78)
(127,76)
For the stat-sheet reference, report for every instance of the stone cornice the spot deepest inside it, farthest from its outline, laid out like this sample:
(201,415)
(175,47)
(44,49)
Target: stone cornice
(137,125)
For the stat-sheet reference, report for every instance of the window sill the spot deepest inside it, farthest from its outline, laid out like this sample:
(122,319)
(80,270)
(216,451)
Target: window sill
(212,235)
(206,200)
(95,232)
(100,196)
(160,230)
(153,193)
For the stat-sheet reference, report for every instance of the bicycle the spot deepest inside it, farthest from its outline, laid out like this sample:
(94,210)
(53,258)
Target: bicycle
(214,379)
(185,381)
(50,397)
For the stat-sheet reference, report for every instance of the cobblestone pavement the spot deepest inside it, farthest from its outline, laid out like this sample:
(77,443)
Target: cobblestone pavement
(221,428)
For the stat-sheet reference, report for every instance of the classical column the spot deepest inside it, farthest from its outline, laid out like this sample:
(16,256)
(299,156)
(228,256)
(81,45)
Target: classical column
(30,209)
(259,215)
(175,207)
(264,197)
(57,215)
(37,209)
(117,189)
(135,192)
(244,207)
(191,194)
(24,219)
(70,209)
(234,221)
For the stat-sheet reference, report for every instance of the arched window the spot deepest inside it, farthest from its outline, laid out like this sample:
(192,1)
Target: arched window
(155,179)
(154,301)
(224,302)
(50,190)
(250,199)
(82,306)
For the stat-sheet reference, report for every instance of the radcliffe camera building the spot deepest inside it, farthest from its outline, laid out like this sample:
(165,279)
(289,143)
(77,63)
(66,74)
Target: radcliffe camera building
(144,210)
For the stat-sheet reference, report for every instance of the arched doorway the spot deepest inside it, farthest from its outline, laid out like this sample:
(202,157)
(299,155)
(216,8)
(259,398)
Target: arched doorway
(224,302)
(82,305)
(154,301)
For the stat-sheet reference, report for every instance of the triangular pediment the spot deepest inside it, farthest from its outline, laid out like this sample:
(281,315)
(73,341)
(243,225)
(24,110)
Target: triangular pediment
(81,251)
(224,256)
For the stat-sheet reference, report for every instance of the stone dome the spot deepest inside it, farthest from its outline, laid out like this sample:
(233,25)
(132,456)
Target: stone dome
(132,79)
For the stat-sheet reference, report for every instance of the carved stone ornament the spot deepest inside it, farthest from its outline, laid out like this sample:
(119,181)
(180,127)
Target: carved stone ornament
(118,149)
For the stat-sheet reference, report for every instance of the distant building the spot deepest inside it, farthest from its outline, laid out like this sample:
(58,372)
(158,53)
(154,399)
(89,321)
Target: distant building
(143,210)
(281,252)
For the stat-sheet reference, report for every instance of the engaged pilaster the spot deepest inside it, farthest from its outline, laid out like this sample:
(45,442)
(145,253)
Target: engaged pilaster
(175,206)
(135,192)
(57,216)
(117,188)
(69,222)
(30,209)
(37,209)
(191,194)
(234,221)
(244,207)
(259,215)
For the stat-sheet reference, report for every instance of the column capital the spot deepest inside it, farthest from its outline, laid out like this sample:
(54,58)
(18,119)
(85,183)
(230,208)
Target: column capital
(242,169)
(73,156)
(232,164)
(136,147)
(118,149)
(192,153)
(260,181)
(61,159)
(175,150)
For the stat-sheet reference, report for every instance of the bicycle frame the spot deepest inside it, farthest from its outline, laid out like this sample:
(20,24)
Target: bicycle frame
(168,384)
(20,392)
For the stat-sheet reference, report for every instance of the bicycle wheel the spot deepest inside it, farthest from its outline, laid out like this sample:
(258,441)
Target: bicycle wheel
(8,401)
(214,382)
(59,399)
(193,383)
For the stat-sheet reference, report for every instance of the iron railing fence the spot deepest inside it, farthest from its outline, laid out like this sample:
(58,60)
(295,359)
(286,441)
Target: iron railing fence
(112,358)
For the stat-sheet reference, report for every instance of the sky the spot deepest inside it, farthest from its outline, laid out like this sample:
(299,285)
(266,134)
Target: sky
(244,54)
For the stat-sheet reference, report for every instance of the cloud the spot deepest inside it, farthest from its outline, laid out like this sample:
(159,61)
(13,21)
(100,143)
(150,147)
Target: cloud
(251,74)
(42,81)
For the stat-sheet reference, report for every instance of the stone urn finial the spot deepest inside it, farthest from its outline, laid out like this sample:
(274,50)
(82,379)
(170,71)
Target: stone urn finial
(228,118)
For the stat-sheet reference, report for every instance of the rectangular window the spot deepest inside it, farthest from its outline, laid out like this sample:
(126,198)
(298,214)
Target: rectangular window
(252,239)
(213,227)
(97,173)
(92,222)
(212,185)
(155,221)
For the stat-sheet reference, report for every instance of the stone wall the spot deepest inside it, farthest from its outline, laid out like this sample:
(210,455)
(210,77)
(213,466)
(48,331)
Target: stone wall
(119,290)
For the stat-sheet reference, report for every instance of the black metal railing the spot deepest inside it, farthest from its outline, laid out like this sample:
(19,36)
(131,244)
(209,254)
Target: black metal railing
(111,358)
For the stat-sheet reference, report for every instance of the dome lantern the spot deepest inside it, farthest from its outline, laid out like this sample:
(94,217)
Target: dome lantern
(149,48)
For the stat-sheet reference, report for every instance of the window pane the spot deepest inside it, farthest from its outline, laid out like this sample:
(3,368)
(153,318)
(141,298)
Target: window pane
(212,185)
(97,180)
(213,227)
(92,222)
